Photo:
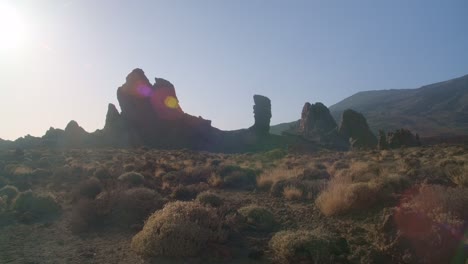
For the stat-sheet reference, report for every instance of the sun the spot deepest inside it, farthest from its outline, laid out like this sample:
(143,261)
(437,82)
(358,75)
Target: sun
(13,30)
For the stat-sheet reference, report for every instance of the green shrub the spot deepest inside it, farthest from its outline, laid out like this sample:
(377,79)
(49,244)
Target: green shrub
(184,193)
(132,178)
(305,246)
(209,198)
(258,218)
(133,206)
(119,208)
(31,206)
(10,192)
(274,154)
(237,177)
(180,229)
(89,188)
(102,173)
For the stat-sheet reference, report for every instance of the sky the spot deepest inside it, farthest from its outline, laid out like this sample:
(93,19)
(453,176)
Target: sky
(64,60)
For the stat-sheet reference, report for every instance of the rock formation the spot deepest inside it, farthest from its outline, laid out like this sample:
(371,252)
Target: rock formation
(262,115)
(354,126)
(316,120)
(153,117)
(317,125)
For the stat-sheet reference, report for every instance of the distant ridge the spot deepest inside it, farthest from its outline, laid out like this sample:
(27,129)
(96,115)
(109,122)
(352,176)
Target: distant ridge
(439,109)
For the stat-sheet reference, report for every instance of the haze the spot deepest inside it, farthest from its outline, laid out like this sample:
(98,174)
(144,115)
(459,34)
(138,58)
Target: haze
(63,60)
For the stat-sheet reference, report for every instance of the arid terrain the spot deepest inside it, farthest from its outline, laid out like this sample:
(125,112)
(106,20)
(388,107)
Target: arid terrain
(407,205)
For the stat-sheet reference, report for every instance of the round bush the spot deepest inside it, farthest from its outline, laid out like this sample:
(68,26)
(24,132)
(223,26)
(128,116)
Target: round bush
(306,246)
(180,229)
(133,206)
(209,198)
(102,173)
(132,178)
(34,206)
(258,218)
(89,188)
(9,191)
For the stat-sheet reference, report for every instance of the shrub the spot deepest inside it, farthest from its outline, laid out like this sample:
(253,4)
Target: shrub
(268,179)
(231,176)
(180,229)
(438,201)
(458,175)
(10,192)
(274,154)
(435,220)
(89,188)
(133,206)
(242,179)
(86,215)
(209,198)
(3,204)
(132,178)
(183,193)
(342,196)
(124,209)
(102,173)
(314,174)
(258,218)
(305,246)
(293,193)
(31,206)
(3,182)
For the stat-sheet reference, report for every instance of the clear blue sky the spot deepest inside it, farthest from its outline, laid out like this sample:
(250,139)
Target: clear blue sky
(69,57)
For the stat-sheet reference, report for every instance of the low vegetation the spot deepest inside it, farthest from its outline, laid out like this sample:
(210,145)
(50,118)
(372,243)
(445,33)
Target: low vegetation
(280,207)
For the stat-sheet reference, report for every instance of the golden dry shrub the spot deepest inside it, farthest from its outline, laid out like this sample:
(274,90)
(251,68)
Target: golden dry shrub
(293,193)
(180,229)
(307,246)
(342,195)
(267,179)
(458,175)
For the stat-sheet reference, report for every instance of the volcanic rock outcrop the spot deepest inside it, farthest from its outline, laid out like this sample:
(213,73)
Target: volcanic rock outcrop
(262,115)
(316,120)
(152,115)
(354,126)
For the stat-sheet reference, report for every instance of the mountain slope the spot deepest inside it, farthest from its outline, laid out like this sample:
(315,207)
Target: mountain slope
(438,109)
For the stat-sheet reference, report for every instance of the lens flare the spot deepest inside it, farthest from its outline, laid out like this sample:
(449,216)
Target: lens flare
(171,102)
(144,90)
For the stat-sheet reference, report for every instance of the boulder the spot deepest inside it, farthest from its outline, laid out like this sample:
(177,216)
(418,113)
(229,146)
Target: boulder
(354,127)
(262,115)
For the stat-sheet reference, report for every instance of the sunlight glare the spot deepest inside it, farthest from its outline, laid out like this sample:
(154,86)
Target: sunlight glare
(13,30)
